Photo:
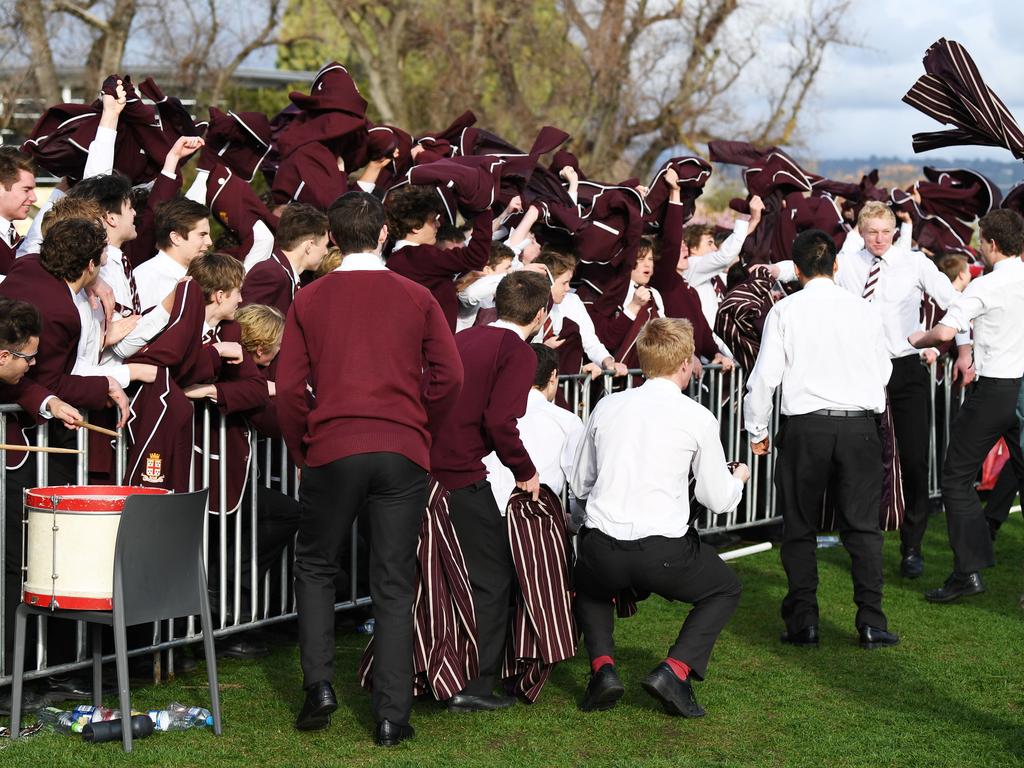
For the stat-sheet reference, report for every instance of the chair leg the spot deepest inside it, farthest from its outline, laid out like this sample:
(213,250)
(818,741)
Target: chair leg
(211,656)
(20,619)
(121,657)
(97,664)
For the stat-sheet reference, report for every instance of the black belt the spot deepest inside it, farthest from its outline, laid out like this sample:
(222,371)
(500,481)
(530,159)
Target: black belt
(843,414)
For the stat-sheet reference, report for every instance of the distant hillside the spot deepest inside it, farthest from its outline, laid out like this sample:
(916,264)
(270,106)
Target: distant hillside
(900,172)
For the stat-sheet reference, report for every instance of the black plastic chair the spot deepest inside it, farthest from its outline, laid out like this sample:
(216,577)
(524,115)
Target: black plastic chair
(158,575)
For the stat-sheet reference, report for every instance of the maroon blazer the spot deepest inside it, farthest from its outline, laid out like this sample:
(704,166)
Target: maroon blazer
(7,256)
(680,299)
(58,342)
(435,268)
(271,282)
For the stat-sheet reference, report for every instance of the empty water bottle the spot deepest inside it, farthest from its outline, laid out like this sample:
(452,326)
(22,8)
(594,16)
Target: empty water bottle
(366,628)
(86,713)
(59,719)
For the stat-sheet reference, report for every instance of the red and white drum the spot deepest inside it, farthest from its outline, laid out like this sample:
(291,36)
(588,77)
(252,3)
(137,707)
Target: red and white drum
(71,535)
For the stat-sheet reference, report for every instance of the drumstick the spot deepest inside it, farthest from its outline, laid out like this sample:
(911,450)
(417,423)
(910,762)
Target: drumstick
(36,449)
(94,428)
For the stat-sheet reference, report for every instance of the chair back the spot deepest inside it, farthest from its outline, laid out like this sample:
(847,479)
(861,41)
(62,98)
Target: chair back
(158,557)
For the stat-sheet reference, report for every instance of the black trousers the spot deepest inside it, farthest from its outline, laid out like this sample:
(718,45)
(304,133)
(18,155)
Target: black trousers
(483,537)
(393,491)
(1000,498)
(909,401)
(680,569)
(845,456)
(988,413)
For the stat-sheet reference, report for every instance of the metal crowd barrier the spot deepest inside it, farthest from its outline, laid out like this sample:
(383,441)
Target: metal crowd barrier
(271,599)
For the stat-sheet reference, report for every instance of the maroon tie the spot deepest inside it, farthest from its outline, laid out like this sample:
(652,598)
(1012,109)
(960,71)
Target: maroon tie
(130,274)
(872,282)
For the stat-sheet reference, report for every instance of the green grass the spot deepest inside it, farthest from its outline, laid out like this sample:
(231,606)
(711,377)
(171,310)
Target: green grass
(950,694)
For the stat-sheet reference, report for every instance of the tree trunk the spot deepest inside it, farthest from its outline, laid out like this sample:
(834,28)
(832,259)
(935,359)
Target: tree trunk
(33,22)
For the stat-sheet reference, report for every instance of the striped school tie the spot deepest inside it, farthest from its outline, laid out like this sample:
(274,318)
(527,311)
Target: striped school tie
(872,281)
(130,274)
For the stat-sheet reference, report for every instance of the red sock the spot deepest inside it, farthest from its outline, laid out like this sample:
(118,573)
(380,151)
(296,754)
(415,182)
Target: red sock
(600,661)
(682,671)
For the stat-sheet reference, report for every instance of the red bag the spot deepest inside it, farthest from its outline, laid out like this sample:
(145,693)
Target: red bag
(994,463)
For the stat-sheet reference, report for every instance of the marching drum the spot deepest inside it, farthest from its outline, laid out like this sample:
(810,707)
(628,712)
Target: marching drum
(71,535)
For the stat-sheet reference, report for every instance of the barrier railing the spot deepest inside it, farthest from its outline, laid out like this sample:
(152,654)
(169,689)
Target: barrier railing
(246,599)
(241,597)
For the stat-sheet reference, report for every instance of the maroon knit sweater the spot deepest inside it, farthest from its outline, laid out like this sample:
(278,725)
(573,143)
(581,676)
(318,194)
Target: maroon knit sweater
(382,365)
(499,370)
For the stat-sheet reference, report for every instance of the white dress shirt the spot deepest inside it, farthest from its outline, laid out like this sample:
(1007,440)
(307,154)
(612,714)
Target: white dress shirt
(478,295)
(572,307)
(149,325)
(827,350)
(551,436)
(905,275)
(634,463)
(629,297)
(359,262)
(702,270)
(156,278)
(995,302)
(90,345)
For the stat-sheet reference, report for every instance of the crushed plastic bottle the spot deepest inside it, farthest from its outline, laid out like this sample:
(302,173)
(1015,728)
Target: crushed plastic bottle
(59,720)
(827,542)
(366,628)
(178,717)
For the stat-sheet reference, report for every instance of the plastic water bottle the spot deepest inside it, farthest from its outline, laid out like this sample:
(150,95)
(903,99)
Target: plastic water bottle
(181,718)
(366,628)
(827,542)
(86,713)
(59,720)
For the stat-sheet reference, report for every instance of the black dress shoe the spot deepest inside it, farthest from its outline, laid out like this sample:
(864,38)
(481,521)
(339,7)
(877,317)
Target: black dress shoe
(242,648)
(72,686)
(806,636)
(957,585)
(676,696)
(912,564)
(603,690)
(873,637)
(316,711)
(389,734)
(462,702)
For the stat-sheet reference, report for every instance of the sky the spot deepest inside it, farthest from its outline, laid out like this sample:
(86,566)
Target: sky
(857,110)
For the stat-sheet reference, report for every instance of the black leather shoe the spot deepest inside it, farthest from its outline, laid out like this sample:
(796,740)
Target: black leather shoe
(957,585)
(676,696)
(603,690)
(389,734)
(873,637)
(912,564)
(73,686)
(462,702)
(316,711)
(806,636)
(242,648)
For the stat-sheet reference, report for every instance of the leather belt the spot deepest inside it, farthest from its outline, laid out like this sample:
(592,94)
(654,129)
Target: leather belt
(843,414)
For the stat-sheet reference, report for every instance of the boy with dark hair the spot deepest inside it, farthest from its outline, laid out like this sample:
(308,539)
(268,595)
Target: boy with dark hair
(414,217)
(181,233)
(362,445)
(499,368)
(825,349)
(300,245)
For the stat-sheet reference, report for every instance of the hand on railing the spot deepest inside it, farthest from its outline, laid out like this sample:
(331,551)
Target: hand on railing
(761,447)
(742,472)
(727,363)
(119,399)
(200,391)
(66,413)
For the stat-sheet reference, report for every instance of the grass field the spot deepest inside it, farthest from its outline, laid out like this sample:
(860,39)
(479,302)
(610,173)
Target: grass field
(951,694)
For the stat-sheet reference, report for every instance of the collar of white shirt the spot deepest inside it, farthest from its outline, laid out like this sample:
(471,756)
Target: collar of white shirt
(816,283)
(114,253)
(360,261)
(172,267)
(509,327)
(1004,262)
(662,384)
(5,229)
(401,244)
(536,396)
